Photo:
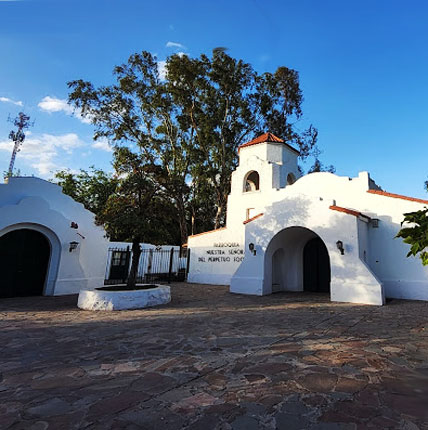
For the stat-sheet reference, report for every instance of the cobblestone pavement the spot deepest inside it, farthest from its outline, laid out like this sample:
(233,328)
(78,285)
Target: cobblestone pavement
(213,360)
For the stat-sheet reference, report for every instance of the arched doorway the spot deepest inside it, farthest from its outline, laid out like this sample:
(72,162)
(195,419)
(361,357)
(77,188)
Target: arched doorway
(25,255)
(296,259)
(316,267)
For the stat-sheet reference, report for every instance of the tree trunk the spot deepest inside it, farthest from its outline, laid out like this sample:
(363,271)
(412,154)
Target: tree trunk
(136,252)
(182,221)
(221,208)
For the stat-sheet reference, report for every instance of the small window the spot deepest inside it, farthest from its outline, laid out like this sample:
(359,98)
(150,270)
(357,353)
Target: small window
(119,258)
(291,179)
(251,182)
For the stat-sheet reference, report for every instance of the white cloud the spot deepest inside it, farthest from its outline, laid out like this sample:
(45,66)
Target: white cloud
(175,45)
(162,69)
(8,100)
(44,152)
(103,145)
(53,104)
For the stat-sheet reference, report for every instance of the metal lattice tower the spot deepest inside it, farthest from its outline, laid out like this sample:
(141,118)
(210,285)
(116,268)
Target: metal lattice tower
(22,121)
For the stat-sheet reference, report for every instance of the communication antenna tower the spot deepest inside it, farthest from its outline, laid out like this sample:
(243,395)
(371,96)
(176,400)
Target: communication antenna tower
(22,121)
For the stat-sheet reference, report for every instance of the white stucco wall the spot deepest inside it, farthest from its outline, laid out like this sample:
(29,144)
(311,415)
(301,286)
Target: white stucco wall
(289,224)
(374,265)
(40,205)
(215,256)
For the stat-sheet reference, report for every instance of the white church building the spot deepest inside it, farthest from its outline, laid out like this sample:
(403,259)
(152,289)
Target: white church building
(49,243)
(319,232)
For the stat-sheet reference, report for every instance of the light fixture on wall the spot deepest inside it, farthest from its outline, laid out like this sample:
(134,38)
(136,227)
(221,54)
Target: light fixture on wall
(73,245)
(375,222)
(252,248)
(339,245)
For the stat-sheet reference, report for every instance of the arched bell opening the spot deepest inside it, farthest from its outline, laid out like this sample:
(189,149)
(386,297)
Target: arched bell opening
(251,182)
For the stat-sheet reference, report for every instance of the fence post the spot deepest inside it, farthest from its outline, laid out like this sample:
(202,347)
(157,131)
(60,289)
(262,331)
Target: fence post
(187,263)
(128,258)
(171,258)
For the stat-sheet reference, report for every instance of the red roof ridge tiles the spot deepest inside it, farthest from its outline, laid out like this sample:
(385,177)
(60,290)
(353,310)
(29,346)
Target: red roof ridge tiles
(397,196)
(253,218)
(206,232)
(349,211)
(266,138)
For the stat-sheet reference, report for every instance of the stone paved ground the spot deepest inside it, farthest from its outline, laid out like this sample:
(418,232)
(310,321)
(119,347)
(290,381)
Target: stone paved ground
(212,360)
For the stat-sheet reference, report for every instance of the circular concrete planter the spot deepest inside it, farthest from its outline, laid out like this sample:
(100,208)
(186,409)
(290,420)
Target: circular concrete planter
(103,300)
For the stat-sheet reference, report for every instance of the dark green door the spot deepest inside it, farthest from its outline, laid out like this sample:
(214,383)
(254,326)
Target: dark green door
(316,267)
(24,260)
(119,267)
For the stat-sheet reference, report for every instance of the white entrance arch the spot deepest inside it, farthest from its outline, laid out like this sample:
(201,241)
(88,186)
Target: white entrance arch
(284,262)
(55,252)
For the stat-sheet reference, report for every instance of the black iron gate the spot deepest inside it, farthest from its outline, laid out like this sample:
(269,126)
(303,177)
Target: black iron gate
(155,265)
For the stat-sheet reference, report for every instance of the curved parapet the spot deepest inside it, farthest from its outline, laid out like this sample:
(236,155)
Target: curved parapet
(78,247)
(287,226)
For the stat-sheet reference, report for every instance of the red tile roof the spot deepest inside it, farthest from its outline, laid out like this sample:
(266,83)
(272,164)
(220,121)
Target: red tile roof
(206,232)
(397,196)
(253,218)
(349,211)
(264,138)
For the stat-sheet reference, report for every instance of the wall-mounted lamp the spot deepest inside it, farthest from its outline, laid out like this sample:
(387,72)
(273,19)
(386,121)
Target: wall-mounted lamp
(252,248)
(375,223)
(339,245)
(73,245)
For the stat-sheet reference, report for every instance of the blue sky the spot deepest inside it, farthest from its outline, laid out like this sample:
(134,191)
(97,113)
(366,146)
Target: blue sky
(363,68)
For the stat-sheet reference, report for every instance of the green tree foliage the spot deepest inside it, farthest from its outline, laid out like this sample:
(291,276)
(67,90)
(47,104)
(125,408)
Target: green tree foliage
(129,205)
(92,188)
(190,123)
(416,233)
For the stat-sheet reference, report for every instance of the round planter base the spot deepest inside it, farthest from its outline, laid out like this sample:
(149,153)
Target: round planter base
(103,300)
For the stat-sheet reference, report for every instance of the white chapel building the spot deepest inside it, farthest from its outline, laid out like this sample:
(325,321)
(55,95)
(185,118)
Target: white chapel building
(49,243)
(319,232)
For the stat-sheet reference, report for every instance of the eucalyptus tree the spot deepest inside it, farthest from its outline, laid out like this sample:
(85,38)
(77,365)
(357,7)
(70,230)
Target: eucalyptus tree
(225,103)
(190,122)
(138,112)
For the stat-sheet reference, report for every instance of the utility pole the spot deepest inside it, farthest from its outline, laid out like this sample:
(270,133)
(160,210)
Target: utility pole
(22,121)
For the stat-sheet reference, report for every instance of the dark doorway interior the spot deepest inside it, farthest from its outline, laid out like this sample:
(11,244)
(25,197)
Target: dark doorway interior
(316,267)
(24,260)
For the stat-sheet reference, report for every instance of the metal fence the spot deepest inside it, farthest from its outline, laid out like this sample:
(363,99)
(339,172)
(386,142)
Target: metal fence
(155,265)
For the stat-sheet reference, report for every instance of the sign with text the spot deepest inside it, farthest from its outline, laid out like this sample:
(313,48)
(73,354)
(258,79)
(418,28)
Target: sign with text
(223,252)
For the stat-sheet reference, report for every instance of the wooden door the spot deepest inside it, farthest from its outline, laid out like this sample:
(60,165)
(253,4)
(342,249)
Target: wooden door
(24,260)
(316,267)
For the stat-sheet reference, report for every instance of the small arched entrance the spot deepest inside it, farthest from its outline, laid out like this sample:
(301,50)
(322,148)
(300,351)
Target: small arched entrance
(25,255)
(316,267)
(297,260)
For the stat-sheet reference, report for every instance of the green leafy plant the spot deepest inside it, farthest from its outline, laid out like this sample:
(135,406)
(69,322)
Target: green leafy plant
(416,235)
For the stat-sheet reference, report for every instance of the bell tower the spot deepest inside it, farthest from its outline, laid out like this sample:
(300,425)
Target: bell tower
(266,164)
